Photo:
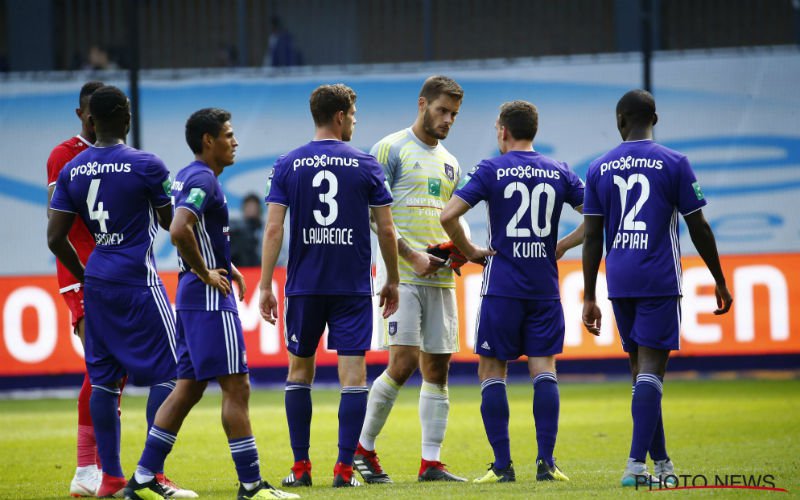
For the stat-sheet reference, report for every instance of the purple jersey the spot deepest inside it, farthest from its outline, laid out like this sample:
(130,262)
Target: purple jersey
(197,189)
(115,191)
(525,192)
(328,187)
(639,187)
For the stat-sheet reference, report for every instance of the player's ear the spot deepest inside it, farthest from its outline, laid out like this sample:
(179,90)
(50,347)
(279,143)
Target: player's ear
(655,118)
(421,104)
(78,113)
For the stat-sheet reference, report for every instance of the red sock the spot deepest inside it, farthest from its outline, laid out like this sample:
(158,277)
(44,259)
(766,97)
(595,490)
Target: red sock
(87,446)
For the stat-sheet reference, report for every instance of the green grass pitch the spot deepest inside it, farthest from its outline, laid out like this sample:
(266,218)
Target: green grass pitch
(713,427)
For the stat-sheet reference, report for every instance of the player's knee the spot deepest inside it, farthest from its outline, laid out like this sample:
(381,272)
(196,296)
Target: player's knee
(401,369)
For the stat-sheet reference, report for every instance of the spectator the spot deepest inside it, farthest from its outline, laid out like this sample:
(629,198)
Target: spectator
(281,51)
(246,233)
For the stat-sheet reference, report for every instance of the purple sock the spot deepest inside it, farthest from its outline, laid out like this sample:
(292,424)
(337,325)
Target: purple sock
(245,457)
(494,410)
(546,406)
(646,410)
(298,414)
(105,418)
(158,394)
(352,410)
(156,448)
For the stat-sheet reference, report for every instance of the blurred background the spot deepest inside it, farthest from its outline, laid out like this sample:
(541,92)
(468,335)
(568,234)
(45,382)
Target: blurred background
(724,73)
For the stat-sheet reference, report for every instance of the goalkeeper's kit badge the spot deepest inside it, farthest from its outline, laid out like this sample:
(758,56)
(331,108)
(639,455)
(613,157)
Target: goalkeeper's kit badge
(450,171)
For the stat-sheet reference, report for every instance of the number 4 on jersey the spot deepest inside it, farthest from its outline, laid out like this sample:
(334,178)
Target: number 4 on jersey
(99,215)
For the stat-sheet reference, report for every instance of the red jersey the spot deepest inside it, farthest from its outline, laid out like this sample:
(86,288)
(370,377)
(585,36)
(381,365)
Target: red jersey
(79,236)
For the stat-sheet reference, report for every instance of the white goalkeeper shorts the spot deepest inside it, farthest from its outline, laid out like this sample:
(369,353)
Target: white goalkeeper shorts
(427,318)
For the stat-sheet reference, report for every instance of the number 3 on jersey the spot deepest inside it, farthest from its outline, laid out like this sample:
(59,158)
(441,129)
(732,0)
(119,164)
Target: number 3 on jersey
(327,197)
(99,215)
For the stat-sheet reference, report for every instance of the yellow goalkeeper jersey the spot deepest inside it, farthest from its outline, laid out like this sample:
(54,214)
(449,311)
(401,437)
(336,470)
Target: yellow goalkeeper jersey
(422,180)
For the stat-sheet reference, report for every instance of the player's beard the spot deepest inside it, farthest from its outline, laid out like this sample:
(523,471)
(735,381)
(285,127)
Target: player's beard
(428,126)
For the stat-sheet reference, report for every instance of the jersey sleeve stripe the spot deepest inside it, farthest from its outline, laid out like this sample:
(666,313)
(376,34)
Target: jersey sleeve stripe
(62,210)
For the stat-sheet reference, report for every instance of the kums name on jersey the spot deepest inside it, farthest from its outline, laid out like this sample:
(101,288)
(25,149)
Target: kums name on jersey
(529,250)
(323,161)
(628,162)
(94,168)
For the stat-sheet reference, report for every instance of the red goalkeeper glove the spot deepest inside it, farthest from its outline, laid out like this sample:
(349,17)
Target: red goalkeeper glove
(450,254)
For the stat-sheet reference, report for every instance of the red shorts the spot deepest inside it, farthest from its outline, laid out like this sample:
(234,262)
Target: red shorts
(74,300)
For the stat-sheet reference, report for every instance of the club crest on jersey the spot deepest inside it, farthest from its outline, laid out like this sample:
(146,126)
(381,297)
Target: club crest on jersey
(196,197)
(392,327)
(450,171)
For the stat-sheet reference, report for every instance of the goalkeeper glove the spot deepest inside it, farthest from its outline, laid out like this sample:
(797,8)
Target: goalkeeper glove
(450,254)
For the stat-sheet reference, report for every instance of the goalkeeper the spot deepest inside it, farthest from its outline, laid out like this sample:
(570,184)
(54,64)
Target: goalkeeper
(423,333)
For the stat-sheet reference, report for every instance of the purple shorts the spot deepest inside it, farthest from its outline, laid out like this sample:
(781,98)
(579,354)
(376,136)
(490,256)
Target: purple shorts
(210,344)
(653,322)
(510,327)
(348,317)
(129,330)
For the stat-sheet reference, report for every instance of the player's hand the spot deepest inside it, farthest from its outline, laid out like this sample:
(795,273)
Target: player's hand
(592,316)
(268,305)
(425,264)
(724,299)
(478,255)
(239,279)
(390,299)
(216,278)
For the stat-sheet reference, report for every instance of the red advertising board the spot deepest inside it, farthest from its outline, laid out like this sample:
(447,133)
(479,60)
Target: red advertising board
(765,318)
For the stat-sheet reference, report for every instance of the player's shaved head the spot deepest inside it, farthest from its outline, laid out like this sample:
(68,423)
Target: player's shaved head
(520,118)
(87,90)
(638,107)
(110,112)
(437,85)
(204,121)
(327,100)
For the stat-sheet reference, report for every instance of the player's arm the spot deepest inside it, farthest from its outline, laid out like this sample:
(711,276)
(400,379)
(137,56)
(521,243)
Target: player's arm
(239,279)
(164,216)
(390,296)
(449,219)
(181,230)
(58,226)
(273,239)
(571,240)
(592,254)
(423,264)
(706,245)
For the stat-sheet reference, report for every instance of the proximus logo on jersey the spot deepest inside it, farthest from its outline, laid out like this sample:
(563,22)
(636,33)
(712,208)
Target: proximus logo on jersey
(527,172)
(322,161)
(94,168)
(628,162)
